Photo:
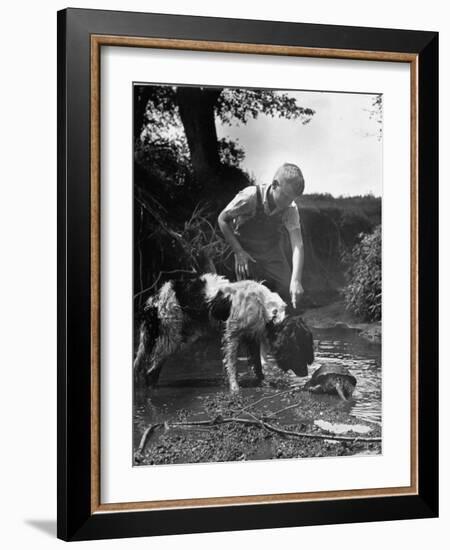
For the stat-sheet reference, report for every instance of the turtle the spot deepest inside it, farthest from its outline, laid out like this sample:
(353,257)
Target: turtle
(332,378)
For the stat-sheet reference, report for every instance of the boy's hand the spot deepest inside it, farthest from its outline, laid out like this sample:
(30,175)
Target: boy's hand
(241,259)
(296,291)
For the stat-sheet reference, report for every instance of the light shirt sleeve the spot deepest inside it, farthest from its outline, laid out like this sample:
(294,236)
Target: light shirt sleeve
(291,218)
(243,204)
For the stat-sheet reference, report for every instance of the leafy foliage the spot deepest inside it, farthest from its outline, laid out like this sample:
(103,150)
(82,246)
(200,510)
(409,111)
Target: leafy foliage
(157,108)
(363,292)
(230,153)
(376,113)
(243,104)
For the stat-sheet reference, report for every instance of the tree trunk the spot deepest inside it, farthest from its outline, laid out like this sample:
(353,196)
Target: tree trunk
(197,115)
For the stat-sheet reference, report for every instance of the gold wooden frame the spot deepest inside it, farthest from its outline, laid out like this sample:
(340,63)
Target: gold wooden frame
(97,41)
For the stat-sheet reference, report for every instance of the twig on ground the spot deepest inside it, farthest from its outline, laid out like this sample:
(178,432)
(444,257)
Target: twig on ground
(271,427)
(139,454)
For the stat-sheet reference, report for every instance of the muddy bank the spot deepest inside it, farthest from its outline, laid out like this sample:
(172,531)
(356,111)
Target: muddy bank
(336,315)
(290,410)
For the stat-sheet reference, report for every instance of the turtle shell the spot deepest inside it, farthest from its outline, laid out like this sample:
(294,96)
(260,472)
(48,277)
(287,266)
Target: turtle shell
(335,369)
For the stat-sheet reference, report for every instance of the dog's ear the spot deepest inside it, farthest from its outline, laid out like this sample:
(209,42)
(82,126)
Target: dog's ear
(307,341)
(220,306)
(293,345)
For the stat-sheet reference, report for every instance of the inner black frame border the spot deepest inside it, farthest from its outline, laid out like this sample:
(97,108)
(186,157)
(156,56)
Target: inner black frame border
(75,520)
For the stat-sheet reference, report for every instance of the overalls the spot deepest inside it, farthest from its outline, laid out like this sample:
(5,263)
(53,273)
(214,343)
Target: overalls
(263,238)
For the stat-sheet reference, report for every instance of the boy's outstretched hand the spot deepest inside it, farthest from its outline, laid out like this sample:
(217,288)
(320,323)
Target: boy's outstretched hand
(241,260)
(296,291)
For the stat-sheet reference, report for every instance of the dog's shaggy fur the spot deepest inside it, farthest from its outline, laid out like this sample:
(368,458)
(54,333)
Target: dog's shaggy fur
(243,311)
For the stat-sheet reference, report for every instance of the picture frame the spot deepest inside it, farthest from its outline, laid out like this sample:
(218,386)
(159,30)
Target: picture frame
(81,36)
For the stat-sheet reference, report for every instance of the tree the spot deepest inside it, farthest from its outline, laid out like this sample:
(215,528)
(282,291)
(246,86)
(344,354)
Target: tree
(195,109)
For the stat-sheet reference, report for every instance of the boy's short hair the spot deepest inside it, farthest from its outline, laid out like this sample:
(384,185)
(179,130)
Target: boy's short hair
(293,174)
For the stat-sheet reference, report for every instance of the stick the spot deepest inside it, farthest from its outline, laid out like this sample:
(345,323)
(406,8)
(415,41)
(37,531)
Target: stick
(139,454)
(271,427)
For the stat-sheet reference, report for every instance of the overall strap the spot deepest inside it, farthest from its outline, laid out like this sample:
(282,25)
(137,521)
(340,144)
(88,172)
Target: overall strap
(259,201)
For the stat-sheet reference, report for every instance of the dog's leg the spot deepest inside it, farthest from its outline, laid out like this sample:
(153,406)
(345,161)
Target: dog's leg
(254,351)
(230,345)
(148,363)
(165,346)
(142,356)
(138,362)
(152,375)
(264,351)
(149,331)
(153,372)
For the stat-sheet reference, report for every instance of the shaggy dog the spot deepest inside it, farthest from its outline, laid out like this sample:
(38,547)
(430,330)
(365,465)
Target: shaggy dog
(244,312)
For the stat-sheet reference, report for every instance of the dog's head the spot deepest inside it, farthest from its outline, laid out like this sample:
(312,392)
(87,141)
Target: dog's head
(292,345)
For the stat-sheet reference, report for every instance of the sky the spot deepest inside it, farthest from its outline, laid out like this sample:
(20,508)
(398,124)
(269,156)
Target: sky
(338,151)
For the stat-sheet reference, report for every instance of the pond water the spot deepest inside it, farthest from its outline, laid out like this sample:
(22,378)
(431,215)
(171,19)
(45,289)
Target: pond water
(363,360)
(194,376)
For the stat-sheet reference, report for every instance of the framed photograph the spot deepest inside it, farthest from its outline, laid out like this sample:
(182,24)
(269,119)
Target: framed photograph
(247,286)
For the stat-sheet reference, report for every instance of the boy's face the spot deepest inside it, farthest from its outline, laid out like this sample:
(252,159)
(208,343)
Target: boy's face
(284,192)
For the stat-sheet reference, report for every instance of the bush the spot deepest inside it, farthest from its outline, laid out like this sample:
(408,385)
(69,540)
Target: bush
(363,291)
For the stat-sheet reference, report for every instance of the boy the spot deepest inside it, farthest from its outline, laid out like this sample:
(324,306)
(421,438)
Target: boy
(253,225)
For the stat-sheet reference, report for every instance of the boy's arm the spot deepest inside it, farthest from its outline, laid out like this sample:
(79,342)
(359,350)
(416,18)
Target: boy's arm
(298,256)
(241,256)
(241,204)
(224,221)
